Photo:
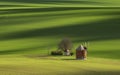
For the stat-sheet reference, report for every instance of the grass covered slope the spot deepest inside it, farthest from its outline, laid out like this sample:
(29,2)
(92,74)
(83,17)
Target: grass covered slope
(66,3)
(35,27)
(29,29)
(57,66)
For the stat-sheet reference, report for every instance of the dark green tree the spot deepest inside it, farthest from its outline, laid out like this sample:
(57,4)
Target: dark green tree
(65,45)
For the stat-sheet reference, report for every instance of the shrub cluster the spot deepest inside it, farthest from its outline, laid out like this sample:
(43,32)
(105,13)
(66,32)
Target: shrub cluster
(56,53)
(71,53)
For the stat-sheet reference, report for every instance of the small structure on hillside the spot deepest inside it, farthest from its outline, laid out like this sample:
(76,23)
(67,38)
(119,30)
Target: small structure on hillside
(81,52)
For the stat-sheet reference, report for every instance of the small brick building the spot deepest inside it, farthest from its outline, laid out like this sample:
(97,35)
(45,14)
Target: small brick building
(81,52)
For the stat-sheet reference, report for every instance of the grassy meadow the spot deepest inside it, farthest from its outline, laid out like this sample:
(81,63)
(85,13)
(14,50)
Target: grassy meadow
(30,29)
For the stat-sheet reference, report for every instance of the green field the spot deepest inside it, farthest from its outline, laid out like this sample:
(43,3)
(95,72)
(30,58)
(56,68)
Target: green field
(30,29)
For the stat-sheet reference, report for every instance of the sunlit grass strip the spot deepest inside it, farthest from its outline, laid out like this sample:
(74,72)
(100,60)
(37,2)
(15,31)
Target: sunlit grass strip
(57,22)
(69,67)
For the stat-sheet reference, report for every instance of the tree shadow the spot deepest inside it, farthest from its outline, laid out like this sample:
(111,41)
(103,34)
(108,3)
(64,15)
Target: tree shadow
(68,59)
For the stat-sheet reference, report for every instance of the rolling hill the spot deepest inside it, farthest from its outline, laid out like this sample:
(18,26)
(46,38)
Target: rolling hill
(35,27)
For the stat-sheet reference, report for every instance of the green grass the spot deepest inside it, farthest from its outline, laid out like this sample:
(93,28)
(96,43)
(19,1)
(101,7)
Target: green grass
(57,66)
(31,29)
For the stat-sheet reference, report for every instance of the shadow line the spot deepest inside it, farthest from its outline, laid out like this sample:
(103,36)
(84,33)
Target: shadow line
(92,31)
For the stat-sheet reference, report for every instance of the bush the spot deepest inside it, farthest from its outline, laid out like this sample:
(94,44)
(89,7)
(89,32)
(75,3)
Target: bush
(56,53)
(71,53)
